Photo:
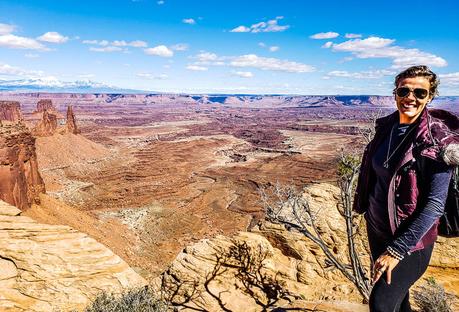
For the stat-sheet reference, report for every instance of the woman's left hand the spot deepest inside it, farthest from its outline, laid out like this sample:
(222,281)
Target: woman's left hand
(385,263)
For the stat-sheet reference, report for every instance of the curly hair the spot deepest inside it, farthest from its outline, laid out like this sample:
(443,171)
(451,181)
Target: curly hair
(420,71)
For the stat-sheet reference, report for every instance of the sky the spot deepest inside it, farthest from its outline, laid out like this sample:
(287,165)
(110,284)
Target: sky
(217,46)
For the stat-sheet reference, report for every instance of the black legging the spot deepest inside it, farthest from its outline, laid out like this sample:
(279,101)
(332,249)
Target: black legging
(395,297)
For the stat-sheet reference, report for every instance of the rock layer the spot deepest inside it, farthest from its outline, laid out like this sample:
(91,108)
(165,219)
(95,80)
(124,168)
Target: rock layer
(10,110)
(20,180)
(48,267)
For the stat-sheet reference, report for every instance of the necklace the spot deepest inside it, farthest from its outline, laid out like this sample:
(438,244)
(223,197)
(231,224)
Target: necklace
(389,154)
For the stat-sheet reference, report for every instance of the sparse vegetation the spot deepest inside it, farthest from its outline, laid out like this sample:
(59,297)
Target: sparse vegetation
(135,300)
(432,297)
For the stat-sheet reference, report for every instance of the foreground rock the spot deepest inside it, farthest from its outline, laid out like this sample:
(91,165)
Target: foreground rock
(10,111)
(268,268)
(273,267)
(51,267)
(20,180)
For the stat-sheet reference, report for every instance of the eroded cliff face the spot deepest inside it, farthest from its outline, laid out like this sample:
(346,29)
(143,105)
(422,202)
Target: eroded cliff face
(54,267)
(10,111)
(47,126)
(20,180)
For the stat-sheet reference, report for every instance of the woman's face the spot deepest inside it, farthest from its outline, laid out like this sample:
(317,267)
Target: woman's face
(410,107)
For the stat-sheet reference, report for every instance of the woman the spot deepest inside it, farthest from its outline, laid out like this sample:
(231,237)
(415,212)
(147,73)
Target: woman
(403,185)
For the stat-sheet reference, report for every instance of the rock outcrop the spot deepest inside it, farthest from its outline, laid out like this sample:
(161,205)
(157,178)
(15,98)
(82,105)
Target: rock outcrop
(45,105)
(10,111)
(54,267)
(274,267)
(20,180)
(269,267)
(71,121)
(47,126)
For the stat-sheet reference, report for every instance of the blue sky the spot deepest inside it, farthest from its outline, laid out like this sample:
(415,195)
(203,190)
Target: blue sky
(286,47)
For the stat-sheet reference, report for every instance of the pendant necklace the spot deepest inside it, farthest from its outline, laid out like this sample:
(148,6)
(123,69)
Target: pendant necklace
(389,154)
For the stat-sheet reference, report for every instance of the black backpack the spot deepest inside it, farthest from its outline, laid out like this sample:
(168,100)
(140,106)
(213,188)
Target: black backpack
(449,222)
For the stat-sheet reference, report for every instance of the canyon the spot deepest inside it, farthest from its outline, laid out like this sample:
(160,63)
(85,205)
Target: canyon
(162,179)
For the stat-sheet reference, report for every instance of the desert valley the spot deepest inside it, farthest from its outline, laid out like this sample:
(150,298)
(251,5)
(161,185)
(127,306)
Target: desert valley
(166,181)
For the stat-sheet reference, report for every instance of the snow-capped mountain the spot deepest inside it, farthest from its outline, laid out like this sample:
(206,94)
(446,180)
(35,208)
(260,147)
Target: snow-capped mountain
(51,84)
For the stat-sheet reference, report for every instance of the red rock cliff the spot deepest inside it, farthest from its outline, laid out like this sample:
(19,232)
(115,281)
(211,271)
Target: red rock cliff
(20,180)
(10,110)
(47,125)
(71,121)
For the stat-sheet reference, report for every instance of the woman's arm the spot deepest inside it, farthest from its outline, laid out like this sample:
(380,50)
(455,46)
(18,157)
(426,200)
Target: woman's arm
(436,179)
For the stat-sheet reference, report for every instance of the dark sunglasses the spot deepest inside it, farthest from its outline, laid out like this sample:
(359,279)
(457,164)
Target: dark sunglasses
(419,93)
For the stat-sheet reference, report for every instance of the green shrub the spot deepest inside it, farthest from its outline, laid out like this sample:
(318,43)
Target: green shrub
(135,300)
(432,297)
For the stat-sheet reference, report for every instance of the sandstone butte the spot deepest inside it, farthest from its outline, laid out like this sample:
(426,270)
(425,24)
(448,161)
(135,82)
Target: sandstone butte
(206,275)
(47,126)
(46,267)
(10,111)
(20,180)
(45,105)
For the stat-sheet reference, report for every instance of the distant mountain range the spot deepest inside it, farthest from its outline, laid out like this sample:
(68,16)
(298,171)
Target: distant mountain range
(99,92)
(55,85)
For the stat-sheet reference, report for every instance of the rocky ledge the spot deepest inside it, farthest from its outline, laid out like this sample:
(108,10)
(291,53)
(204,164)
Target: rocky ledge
(52,267)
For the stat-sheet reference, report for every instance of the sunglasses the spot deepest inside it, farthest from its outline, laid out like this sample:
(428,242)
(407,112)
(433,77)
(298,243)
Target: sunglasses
(419,93)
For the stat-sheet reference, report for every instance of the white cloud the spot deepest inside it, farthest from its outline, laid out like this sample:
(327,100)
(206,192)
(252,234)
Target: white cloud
(90,42)
(451,79)
(160,50)
(325,35)
(151,76)
(180,47)
(9,70)
(274,48)
(262,44)
(6,29)
(266,63)
(207,56)
(243,74)
(371,74)
(189,21)
(31,55)
(106,49)
(53,37)
(269,26)
(138,44)
(118,43)
(97,42)
(327,44)
(17,42)
(352,36)
(240,29)
(196,68)
(135,43)
(375,47)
